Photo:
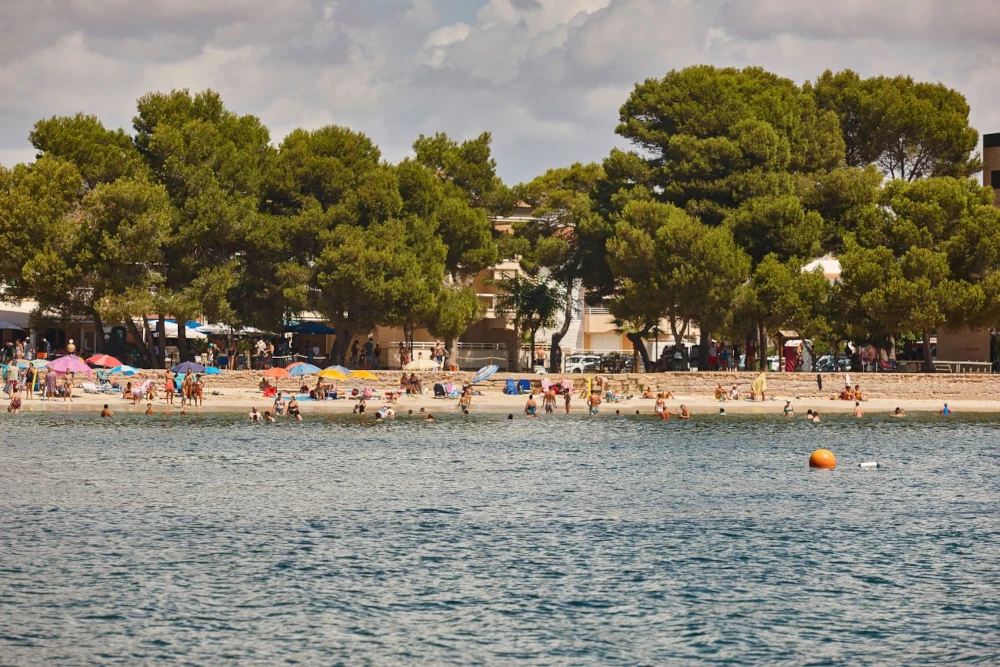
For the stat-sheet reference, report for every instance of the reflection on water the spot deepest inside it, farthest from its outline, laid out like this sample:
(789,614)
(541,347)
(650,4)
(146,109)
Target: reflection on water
(475,539)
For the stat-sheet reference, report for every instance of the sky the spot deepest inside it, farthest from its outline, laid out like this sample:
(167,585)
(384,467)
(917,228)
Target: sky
(545,77)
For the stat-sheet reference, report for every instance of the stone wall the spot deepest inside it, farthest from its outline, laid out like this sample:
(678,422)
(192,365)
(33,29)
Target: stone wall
(875,385)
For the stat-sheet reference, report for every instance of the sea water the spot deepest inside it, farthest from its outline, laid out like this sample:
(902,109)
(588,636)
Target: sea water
(560,540)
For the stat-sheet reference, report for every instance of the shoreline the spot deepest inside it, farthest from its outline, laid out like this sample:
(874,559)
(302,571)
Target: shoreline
(501,404)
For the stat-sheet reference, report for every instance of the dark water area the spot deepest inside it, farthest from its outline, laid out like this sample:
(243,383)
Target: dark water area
(561,540)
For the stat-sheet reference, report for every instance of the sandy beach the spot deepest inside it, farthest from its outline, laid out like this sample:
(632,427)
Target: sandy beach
(238,392)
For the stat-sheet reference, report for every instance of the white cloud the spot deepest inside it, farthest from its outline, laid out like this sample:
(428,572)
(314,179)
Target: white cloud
(546,77)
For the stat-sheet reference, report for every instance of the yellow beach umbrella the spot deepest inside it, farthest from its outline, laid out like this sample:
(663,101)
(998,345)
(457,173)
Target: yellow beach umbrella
(332,374)
(363,375)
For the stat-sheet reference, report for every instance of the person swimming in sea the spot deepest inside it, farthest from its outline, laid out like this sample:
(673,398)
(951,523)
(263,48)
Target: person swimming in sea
(945,411)
(683,413)
(106,412)
(900,412)
(531,407)
(268,419)
(149,409)
(293,409)
(789,410)
(429,418)
(254,416)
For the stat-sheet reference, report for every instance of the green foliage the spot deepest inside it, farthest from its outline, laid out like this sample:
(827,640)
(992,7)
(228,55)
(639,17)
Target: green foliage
(909,129)
(101,155)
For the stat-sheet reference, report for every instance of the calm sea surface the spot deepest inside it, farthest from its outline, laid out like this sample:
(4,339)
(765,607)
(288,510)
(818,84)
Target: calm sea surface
(564,540)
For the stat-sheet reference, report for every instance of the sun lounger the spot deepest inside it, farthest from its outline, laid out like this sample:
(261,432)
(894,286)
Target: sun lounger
(90,388)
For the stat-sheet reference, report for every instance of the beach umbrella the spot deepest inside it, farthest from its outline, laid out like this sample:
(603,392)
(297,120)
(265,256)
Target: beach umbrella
(212,370)
(421,365)
(485,373)
(339,369)
(124,370)
(759,385)
(188,367)
(103,360)
(69,364)
(301,369)
(363,375)
(292,365)
(276,373)
(332,374)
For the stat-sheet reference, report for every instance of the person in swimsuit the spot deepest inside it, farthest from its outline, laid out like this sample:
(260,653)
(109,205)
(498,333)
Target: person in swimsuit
(168,386)
(149,409)
(293,409)
(660,406)
(858,410)
(789,410)
(199,390)
(106,412)
(268,419)
(15,404)
(593,402)
(254,416)
(531,407)
(683,413)
(900,412)
(279,405)
(567,397)
(945,411)
(550,401)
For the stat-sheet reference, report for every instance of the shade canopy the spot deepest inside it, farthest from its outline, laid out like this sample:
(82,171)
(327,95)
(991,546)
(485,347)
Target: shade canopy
(188,367)
(421,365)
(69,364)
(300,369)
(276,373)
(485,373)
(124,370)
(10,326)
(103,360)
(332,374)
(363,375)
(313,328)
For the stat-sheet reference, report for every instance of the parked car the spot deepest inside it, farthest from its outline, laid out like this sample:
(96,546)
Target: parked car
(581,363)
(825,364)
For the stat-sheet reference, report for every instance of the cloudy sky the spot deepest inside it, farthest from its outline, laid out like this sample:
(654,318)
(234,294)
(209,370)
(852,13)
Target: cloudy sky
(546,77)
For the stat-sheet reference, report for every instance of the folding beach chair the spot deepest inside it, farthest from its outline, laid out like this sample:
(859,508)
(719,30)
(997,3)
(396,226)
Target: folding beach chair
(524,386)
(511,387)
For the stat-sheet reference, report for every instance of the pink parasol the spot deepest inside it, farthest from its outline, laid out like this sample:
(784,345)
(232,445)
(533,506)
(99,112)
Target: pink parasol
(69,364)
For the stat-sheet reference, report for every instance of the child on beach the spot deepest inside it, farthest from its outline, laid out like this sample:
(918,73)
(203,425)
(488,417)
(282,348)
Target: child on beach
(594,402)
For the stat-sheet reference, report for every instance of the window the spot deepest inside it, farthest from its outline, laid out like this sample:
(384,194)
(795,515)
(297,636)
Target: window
(995,179)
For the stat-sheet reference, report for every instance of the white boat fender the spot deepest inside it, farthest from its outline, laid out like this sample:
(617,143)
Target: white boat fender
(870,464)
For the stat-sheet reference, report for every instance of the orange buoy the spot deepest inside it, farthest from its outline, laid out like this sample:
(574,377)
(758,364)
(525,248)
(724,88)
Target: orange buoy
(823,458)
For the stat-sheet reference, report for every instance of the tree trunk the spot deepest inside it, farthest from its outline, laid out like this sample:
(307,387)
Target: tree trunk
(531,362)
(137,335)
(555,354)
(639,347)
(161,337)
(892,348)
(762,346)
(182,341)
(98,331)
(340,345)
(451,345)
(928,357)
(703,356)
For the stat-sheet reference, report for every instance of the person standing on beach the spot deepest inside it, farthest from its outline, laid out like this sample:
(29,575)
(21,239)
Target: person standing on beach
(168,386)
(549,401)
(593,402)
(68,386)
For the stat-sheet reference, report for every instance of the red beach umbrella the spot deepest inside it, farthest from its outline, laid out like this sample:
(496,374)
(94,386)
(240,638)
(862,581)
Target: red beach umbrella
(103,360)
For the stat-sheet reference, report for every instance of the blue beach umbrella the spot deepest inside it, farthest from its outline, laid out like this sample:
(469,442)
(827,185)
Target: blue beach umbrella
(124,369)
(212,370)
(304,369)
(485,373)
(339,369)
